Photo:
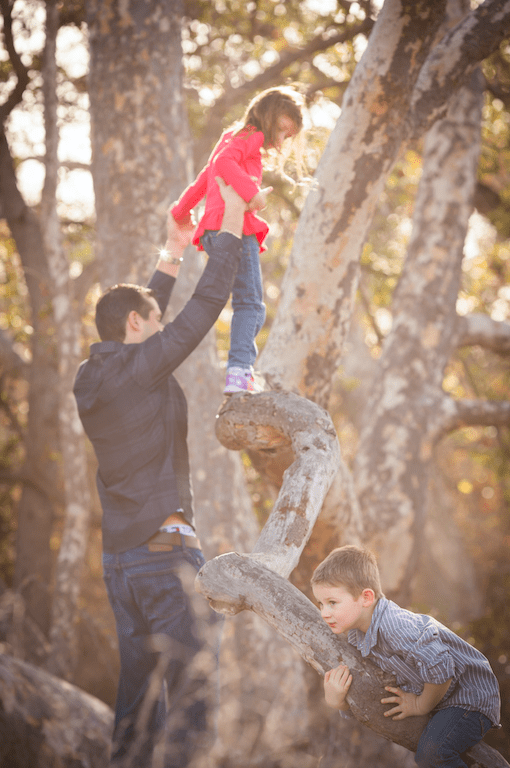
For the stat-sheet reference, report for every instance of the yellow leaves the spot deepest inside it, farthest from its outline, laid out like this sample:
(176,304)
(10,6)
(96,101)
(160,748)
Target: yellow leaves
(465,486)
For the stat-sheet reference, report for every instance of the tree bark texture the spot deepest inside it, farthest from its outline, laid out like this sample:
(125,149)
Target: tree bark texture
(235,582)
(33,567)
(64,640)
(138,123)
(399,429)
(48,723)
(270,422)
(453,59)
(317,292)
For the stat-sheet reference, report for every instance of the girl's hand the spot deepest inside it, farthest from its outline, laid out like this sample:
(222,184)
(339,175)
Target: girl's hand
(336,684)
(259,201)
(407,704)
(179,233)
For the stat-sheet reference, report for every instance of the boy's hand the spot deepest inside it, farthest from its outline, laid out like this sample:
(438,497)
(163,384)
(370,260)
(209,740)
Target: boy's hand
(407,704)
(336,684)
(259,201)
(411,705)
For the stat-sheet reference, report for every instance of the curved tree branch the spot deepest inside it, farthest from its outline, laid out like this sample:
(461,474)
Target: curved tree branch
(481,329)
(286,426)
(454,414)
(21,71)
(235,582)
(453,59)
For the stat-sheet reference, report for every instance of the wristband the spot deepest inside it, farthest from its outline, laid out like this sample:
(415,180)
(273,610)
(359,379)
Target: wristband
(165,256)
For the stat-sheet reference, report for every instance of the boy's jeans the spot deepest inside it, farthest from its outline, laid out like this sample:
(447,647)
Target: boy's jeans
(249,311)
(165,687)
(449,733)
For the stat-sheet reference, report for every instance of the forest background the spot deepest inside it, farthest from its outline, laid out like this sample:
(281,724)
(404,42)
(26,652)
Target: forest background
(389,309)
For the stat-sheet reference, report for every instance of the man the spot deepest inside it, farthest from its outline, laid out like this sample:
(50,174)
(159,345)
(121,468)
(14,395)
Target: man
(135,414)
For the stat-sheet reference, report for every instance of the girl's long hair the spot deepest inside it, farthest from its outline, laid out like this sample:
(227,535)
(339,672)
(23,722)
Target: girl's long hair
(263,112)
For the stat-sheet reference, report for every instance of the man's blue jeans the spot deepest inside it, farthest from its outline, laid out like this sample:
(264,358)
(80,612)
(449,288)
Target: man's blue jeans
(166,688)
(249,311)
(449,733)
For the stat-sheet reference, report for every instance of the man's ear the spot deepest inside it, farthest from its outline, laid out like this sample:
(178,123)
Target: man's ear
(133,324)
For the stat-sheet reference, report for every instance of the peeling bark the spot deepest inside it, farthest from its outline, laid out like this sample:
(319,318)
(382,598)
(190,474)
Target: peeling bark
(320,282)
(454,58)
(395,448)
(270,422)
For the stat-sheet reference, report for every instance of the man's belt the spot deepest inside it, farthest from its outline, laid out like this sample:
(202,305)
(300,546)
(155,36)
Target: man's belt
(163,541)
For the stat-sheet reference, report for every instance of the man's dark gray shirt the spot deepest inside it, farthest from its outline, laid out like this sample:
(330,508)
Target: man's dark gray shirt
(134,411)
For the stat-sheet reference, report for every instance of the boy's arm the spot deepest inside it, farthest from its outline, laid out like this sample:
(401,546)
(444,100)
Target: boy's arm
(411,705)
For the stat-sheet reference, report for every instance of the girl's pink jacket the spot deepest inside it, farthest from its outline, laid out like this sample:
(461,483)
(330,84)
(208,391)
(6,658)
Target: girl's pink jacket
(237,159)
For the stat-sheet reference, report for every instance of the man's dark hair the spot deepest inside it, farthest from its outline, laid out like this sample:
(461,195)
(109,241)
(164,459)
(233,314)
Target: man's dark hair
(114,306)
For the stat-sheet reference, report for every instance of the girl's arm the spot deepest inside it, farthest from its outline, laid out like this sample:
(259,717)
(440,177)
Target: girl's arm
(231,162)
(191,197)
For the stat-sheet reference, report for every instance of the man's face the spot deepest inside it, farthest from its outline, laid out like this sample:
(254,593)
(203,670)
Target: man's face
(339,609)
(153,323)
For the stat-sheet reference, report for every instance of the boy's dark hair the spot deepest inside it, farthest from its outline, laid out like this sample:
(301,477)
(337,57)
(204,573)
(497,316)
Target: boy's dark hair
(264,110)
(354,568)
(114,306)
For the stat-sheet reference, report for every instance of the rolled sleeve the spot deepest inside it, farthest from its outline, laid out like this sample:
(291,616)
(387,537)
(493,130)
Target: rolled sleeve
(431,657)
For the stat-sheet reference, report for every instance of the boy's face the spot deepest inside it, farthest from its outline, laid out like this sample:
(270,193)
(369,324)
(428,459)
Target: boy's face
(341,611)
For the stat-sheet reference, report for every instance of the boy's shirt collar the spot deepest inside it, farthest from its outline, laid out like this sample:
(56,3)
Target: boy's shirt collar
(365,641)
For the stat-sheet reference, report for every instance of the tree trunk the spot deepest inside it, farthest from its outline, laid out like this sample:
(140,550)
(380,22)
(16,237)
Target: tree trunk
(63,633)
(395,450)
(316,303)
(33,569)
(47,723)
(139,130)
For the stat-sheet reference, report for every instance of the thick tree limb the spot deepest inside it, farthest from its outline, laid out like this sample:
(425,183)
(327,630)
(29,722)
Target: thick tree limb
(276,422)
(235,582)
(484,331)
(453,59)
(45,722)
(454,414)
(312,322)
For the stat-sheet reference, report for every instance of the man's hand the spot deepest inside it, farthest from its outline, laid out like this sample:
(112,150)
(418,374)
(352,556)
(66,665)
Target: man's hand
(411,705)
(259,201)
(336,684)
(179,233)
(235,207)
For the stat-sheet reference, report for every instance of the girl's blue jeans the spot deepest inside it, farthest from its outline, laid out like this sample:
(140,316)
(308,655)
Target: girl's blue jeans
(166,688)
(449,733)
(249,311)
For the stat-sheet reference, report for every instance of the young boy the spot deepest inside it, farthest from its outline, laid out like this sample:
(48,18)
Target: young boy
(436,670)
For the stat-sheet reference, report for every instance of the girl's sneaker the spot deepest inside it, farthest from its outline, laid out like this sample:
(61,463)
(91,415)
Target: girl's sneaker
(239,380)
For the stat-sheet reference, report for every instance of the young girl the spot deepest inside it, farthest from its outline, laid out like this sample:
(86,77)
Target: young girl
(271,117)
